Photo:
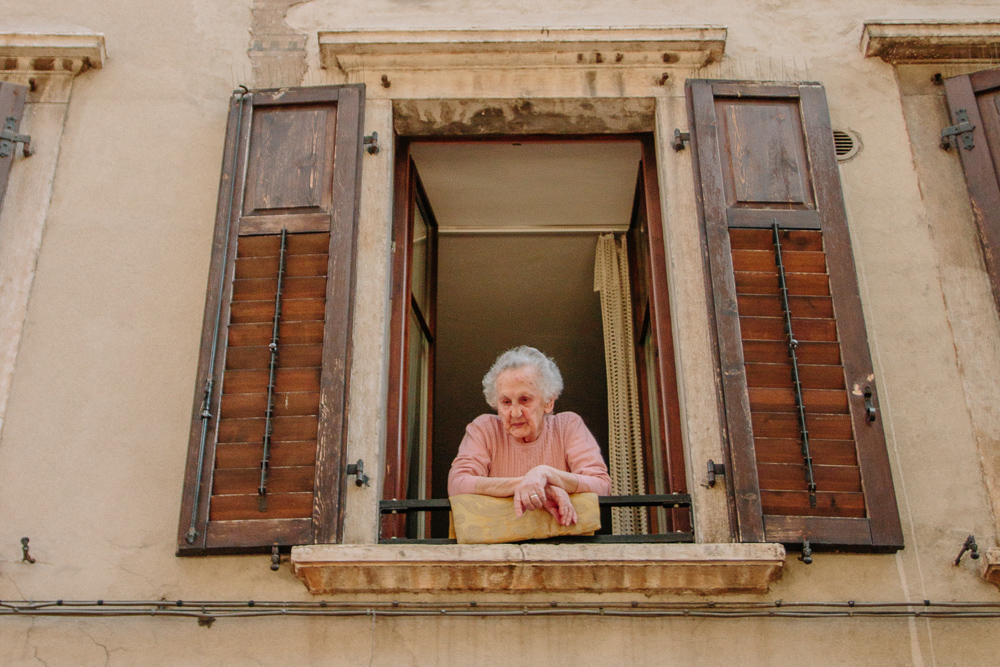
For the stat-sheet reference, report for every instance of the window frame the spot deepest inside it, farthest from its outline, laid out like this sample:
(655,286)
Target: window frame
(647,195)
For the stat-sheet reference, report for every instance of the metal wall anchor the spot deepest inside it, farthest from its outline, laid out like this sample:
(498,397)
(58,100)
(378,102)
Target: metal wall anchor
(969,545)
(358,470)
(371,141)
(679,139)
(9,137)
(25,556)
(963,129)
(713,470)
(807,553)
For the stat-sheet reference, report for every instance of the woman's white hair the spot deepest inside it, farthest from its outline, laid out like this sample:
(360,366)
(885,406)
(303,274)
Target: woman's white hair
(550,382)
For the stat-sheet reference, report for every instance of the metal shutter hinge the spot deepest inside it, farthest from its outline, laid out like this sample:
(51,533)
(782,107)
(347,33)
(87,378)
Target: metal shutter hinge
(807,553)
(9,137)
(371,141)
(680,138)
(713,470)
(358,470)
(963,129)
(871,412)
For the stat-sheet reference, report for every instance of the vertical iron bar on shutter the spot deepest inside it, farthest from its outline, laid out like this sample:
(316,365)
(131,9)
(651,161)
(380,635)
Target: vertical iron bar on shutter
(206,412)
(796,380)
(265,461)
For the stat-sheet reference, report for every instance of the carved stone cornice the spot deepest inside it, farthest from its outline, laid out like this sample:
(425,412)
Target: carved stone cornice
(50,53)
(550,48)
(923,41)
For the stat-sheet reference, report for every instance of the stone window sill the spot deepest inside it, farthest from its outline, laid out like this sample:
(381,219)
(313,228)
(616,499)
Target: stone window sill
(549,568)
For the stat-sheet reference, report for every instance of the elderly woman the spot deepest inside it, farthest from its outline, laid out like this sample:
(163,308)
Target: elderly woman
(525,451)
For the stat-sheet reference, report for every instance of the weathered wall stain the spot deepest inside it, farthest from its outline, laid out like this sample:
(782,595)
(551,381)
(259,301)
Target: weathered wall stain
(277,52)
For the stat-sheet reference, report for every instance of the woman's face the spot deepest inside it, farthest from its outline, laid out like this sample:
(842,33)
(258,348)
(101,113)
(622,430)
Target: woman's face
(520,403)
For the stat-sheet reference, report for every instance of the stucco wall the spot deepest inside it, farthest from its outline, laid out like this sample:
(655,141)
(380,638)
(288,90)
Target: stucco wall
(95,434)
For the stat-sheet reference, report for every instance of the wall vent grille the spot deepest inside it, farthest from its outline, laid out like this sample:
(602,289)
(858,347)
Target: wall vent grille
(846,143)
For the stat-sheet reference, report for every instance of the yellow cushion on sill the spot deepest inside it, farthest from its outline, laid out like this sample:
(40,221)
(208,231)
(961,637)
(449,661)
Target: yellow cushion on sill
(488,520)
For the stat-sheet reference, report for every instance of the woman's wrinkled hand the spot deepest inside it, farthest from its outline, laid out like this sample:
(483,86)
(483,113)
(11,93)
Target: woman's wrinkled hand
(531,493)
(560,506)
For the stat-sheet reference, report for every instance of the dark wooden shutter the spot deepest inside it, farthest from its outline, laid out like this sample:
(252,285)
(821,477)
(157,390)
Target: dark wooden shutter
(977,96)
(292,163)
(764,155)
(12,98)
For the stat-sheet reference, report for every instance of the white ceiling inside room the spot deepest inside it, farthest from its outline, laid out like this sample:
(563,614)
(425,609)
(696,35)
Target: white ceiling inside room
(529,186)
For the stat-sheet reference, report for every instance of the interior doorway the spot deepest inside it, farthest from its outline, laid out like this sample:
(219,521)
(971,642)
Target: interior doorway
(498,241)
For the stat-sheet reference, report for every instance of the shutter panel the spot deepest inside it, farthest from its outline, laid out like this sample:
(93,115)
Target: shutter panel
(12,98)
(764,156)
(286,214)
(978,96)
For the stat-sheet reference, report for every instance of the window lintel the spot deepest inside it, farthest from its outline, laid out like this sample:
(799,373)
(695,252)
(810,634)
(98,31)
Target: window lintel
(909,41)
(451,49)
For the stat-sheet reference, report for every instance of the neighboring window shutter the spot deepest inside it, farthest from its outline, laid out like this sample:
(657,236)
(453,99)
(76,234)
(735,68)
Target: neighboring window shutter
(764,154)
(12,97)
(977,96)
(292,163)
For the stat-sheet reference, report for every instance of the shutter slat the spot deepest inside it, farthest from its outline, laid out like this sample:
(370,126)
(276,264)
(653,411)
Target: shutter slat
(789,450)
(792,477)
(279,506)
(311,287)
(286,380)
(293,333)
(281,479)
(769,305)
(292,356)
(780,375)
(285,404)
(292,310)
(247,454)
(799,284)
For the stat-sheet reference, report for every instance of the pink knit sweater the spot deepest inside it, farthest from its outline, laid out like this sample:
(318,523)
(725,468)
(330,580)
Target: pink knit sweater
(565,443)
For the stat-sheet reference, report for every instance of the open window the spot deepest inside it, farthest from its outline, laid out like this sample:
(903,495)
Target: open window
(494,246)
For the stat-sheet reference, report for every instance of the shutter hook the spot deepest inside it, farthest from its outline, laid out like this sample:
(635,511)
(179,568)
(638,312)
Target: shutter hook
(26,557)
(971,546)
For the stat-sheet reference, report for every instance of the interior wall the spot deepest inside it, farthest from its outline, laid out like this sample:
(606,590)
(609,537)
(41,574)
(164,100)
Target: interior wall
(499,291)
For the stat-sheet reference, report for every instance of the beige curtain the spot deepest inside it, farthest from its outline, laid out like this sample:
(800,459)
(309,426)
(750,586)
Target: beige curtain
(611,279)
